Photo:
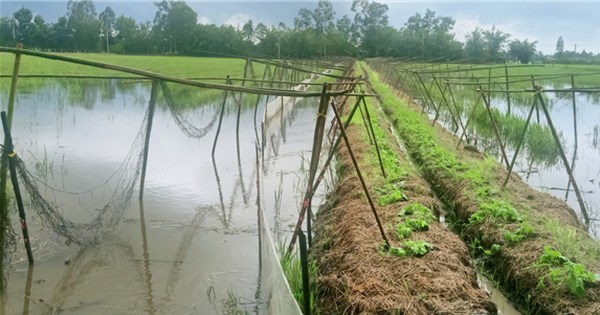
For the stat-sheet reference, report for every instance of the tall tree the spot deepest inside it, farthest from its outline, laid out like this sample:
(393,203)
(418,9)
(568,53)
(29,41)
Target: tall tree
(174,22)
(495,42)
(475,45)
(83,24)
(369,19)
(23,19)
(522,50)
(560,47)
(107,21)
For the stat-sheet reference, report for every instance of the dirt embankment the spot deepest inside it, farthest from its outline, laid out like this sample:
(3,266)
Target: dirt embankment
(356,277)
(517,265)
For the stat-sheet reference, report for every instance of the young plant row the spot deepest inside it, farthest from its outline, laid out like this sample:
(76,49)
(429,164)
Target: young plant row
(413,217)
(483,212)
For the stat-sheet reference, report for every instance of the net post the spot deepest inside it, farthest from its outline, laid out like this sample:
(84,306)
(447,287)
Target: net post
(4,223)
(13,177)
(151,109)
(563,157)
(220,120)
(305,275)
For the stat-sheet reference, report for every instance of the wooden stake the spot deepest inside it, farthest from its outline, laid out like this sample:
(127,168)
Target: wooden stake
(564,158)
(151,108)
(4,222)
(220,120)
(374,138)
(9,151)
(512,163)
(487,105)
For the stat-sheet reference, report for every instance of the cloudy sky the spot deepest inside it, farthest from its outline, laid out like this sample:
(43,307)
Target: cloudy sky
(577,22)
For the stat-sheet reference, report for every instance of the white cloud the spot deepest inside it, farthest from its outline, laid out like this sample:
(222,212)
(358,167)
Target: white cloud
(237,20)
(204,20)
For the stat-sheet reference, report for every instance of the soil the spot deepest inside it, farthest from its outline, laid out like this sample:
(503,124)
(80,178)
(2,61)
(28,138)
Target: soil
(513,264)
(355,277)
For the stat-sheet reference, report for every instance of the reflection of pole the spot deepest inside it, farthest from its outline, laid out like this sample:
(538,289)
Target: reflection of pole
(148,274)
(220,119)
(9,151)
(507,92)
(575,130)
(27,295)
(4,223)
(564,158)
(151,108)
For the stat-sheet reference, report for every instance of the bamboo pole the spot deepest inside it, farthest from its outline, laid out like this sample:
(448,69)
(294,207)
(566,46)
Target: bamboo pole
(564,158)
(487,105)
(512,163)
(314,160)
(374,137)
(507,92)
(9,151)
(365,124)
(457,111)
(387,243)
(445,100)
(220,120)
(151,108)
(327,162)
(4,221)
(227,87)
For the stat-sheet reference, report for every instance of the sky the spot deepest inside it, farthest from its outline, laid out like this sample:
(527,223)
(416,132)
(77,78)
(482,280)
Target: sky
(577,22)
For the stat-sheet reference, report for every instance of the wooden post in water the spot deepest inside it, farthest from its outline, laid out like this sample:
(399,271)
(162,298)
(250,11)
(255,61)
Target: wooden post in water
(220,120)
(9,151)
(487,105)
(314,160)
(512,163)
(563,157)
(4,221)
(151,109)
(507,92)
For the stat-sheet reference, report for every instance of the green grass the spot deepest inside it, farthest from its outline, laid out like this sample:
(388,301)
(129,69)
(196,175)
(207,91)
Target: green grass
(168,65)
(293,272)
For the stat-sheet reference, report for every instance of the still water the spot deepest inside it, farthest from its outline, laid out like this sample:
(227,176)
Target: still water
(191,247)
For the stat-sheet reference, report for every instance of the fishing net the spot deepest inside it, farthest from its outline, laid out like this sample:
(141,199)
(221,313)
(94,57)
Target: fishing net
(181,114)
(104,219)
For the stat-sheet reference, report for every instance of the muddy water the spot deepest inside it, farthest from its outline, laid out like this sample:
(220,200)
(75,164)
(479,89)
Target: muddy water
(192,246)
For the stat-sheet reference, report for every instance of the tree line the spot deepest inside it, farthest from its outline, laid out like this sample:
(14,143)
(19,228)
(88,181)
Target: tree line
(175,30)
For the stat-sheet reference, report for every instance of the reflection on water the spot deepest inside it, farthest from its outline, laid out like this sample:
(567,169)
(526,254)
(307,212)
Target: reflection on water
(196,230)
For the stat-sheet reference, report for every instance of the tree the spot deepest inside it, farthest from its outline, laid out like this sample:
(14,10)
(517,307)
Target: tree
(324,17)
(83,25)
(560,46)
(522,50)
(495,41)
(174,24)
(475,45)
(369,19)
(107,20)
(23,18)
(304,20)
(248,31)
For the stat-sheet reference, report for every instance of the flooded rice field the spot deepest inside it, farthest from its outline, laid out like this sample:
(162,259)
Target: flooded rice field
(191,246)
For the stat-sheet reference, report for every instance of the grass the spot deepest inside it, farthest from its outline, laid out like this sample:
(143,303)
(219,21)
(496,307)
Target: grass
(441,164)
(293,272)
(168,65)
